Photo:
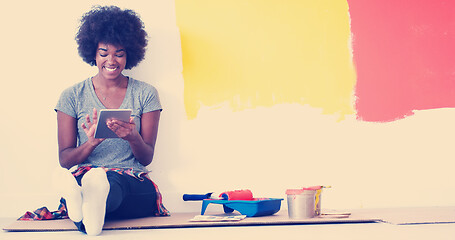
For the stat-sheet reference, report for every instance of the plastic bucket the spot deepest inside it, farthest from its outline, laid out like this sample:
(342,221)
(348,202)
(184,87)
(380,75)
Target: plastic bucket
(301,203)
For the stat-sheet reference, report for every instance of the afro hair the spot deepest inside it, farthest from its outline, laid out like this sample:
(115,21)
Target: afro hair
(112,25)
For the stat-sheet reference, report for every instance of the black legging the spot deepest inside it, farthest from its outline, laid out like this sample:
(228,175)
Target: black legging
(129,197)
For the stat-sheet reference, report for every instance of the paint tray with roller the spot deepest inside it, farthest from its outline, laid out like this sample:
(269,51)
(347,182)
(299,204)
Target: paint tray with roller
(239,200)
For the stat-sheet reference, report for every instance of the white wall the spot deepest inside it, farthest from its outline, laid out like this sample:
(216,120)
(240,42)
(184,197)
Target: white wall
(404,163)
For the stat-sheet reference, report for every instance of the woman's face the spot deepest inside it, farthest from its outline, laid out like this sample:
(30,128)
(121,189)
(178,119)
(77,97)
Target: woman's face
(110,60)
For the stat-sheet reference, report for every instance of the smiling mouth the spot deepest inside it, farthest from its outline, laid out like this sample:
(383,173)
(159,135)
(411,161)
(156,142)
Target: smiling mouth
(110,69)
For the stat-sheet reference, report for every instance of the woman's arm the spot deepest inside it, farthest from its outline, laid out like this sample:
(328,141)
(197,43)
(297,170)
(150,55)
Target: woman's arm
(69,154)
(149,132)
(142,144)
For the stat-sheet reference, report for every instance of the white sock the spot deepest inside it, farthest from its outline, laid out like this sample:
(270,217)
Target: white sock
(95,189)
(67,187)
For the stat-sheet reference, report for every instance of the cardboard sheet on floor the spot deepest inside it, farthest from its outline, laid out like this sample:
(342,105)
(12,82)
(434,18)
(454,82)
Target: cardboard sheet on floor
(182,220)
(399,216)
(412,215)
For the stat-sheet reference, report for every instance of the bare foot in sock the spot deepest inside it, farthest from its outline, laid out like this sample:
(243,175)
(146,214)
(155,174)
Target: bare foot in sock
(67,187)
(95,189)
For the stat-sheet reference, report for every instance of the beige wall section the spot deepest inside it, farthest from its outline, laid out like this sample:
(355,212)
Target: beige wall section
(404,163)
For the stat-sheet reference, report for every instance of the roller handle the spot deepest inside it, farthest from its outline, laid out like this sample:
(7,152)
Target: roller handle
(196,197)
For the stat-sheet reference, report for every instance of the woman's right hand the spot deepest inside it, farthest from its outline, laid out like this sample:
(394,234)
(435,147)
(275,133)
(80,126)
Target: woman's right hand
(90,127)
(70,154)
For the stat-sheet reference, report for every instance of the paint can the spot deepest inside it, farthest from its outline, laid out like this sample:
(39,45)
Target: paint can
(301,203)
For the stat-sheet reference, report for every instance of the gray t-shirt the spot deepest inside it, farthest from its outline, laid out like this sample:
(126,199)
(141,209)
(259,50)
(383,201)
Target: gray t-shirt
(79,100)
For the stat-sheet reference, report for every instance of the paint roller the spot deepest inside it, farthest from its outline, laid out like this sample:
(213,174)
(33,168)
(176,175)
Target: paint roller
(228,195)
(237,195)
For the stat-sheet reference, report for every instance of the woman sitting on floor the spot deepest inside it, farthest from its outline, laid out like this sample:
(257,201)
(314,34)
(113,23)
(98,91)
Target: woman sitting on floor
(111,179)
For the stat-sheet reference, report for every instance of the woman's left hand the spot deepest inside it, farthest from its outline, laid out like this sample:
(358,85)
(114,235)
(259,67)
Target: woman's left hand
(125,130)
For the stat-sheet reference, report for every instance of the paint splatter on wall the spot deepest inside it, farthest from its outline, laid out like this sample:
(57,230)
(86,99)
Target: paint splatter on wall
(250,53)
(404,53)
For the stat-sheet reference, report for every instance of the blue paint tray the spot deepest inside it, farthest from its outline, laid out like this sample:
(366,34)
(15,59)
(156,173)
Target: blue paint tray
(251,208)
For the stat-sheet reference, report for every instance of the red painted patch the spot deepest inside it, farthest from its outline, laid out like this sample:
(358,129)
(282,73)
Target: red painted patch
(404,53)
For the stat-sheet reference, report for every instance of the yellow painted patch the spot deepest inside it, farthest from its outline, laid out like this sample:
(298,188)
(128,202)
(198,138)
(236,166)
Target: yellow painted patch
(251,53)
